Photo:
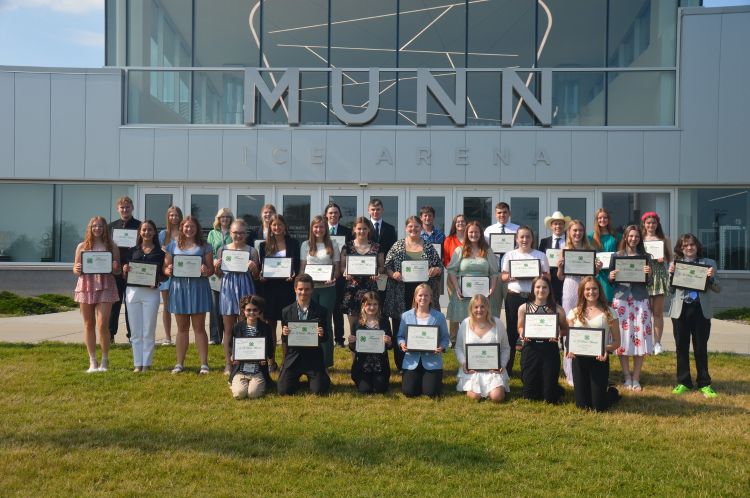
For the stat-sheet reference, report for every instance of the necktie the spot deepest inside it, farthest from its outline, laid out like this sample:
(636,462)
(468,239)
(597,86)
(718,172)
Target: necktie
(502,229)
(332,230)
(557,243)
(377,227)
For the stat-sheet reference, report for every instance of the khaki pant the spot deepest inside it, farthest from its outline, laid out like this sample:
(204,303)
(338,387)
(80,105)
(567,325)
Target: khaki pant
(248,386)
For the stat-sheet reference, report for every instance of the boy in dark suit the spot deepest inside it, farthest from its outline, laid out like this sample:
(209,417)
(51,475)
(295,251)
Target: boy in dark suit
(557,223)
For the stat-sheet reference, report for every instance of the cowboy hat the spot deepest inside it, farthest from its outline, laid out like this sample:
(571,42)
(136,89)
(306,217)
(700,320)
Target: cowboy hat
(556,216)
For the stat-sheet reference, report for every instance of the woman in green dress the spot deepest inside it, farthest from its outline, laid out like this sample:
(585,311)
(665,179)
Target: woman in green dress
(604,239)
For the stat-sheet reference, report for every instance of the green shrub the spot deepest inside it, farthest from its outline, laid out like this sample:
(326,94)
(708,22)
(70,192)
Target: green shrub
(734,314)
(15,305)
(59,300)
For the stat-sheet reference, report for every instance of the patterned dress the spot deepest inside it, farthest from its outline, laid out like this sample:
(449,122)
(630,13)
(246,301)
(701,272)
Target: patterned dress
(356,287)
(395,292)
(95,289)
(631,305)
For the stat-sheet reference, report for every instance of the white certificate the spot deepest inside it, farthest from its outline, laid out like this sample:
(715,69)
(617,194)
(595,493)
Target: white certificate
(630,269)
(471,286)
(358,265)
(96,262)
(277,267)
(340,240)
(422,338)
(585,341)
(654,247)
(215,283)
(234,261)
(540,326)
(525,268)
(303,334)
(249,349)
(142,274)
(370,341)
(483,356)
(605,258)
(439,250)
(553,256)
(186,266)
(580,262)
(319,273)
(382,282)
(500,243)
(692,276)
(124,237)
(415,271)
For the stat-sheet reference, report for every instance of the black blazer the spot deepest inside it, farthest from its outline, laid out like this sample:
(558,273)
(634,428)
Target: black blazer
(252,236)
(292,251)
(359,358)
(557,284)
(387,237)
(345,231)
(238,330)
(304,359)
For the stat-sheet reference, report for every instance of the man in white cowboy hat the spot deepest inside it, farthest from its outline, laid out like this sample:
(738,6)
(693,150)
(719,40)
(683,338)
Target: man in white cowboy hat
(557,224)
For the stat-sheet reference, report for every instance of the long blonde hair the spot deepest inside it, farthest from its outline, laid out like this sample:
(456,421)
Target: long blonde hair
(597,238)
(416,291)
(88,238)
(171,228)
(219,214)
(601,302)
(313,243)
(569,239)
(271,245)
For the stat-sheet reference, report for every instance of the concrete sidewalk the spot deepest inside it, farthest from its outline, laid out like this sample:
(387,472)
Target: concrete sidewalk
(729,337)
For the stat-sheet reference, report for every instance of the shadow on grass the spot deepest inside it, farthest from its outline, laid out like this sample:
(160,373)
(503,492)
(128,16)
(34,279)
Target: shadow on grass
(687,405)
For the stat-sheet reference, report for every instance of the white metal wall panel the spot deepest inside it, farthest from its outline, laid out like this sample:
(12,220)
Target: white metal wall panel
(7,124)
(661,156)
(32,145)
(625,157)
(519,147)
(413,156)
(589,157)
(378,156)
(170,154)
(308,155)
(449,156)
(68,126)
(239,157)
(343,157)
(136,154)
(553,147)
(204,155)
(103,118)
(483,165)
(274,155)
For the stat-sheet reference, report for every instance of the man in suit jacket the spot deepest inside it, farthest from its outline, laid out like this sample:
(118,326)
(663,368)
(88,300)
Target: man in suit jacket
(557,224)
(383,233)
(332,214)
(303,360)
(126,222)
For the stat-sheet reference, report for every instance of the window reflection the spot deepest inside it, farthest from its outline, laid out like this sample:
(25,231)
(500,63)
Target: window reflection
(642,33)
(641,98)
(572,33)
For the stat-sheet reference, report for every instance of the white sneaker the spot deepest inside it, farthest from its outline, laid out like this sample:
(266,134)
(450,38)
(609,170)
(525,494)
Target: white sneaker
(658,349)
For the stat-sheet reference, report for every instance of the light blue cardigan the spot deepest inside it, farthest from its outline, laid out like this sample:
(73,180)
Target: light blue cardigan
(430,361)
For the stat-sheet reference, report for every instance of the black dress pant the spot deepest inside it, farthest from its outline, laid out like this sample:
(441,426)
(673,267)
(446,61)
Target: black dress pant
(114,314)
(692,325)
(398,355)
(338,314)
(591,381)
(540,369)
(288,382)
(420,381)
(369,383)
(512,302)
(216,325)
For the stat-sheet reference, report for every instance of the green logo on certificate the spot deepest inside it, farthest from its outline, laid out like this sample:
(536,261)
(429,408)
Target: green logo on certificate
(363,339)
(484,352)
(587,337)
(89,260)
(468,284)
(228,258)
(407,269)
(692,272)
(180,263)
(143,270)
(541,321)
(424,334)
(580,258)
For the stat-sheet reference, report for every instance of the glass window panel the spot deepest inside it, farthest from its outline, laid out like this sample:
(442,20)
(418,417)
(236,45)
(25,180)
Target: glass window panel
(483,99)
(478,209)
(156,208)
(204,207)
(521,114)
(572,33)
(349,204)
(218,97)
(313,97)
(525,211)
(110,56)
(297,215)
(159,97)
(26,236)
(223,35)
(363,34)
(390,209)
(295,34)
(575,207)
(626,208)
(642,33)
(501,33)
(578,99)
(641,98)
(438,204)
(249,208)
(407,102)
(719,218)
(159,33)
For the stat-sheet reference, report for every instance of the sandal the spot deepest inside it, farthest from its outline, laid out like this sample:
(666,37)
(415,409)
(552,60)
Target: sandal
(178,369)
(204,370)
(637,386)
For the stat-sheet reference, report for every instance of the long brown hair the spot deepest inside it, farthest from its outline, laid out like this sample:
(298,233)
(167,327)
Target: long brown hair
(181,239)
(313,243)
(271,246)
(139,239)
(569,239)
(550,298)
(367,223)
(168,231)
(367,298)
(688,237)
(597,238)
(639,249)
(466,247)
(88,238)
(453,230)
(601,301)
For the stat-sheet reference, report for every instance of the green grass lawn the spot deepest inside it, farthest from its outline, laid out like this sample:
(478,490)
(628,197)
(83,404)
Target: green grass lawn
(65,432)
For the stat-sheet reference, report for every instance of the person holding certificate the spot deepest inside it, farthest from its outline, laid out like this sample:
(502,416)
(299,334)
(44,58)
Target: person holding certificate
(371,370)
(653,235)
(541,323)
(403,267)
(691,312)
(423,370)
(591,373)
(557,223)
(633,311)
(503,226)
(472,263)
(480,327)
(123,233)
(455,238)
(189,262)
(96,289)
(358,285)
(304,360)
(519,288)
(320,249)
(237,265)
(146,259)
(172,232)
(604,239)
(249,377)
(218,237)
(254,238)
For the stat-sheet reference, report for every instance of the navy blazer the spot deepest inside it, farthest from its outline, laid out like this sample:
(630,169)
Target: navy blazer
(300,358)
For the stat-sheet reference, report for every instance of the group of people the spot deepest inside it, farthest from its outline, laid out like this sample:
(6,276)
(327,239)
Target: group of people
(251,302)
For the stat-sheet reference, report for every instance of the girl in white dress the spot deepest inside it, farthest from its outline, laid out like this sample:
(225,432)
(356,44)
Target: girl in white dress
(481,327)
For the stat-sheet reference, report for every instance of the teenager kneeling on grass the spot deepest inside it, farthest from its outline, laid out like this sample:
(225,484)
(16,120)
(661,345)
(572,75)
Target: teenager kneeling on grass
(248,379)
(301,360)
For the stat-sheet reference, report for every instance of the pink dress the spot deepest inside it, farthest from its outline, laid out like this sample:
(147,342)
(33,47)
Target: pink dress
(96,288)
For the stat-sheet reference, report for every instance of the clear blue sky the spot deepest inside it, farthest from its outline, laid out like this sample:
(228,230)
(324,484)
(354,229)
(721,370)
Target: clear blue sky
(70,33)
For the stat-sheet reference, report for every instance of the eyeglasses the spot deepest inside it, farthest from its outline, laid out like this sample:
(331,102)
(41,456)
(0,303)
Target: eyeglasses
(252,310)
(239,233)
